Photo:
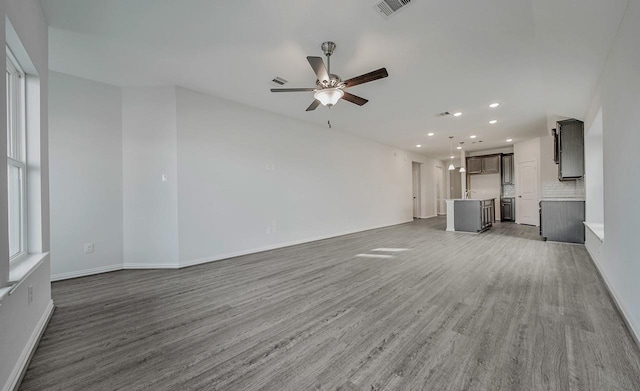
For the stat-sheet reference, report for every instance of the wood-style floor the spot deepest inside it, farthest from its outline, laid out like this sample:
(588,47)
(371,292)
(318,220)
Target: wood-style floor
(497,311)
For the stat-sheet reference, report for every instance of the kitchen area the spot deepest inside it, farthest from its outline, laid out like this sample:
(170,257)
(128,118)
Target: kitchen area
(550,194)
(489,194)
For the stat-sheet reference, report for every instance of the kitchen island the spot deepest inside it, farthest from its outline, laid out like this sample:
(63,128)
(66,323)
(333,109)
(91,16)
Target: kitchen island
(470,215)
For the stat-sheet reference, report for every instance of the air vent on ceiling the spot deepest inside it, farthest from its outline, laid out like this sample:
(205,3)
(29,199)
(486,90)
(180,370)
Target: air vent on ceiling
(386,8)
(278,80)
(443,114)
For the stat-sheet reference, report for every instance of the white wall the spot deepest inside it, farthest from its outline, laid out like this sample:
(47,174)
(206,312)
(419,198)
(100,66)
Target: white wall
(150,206)
(235,169)
(85,127)
(487,186)
(523,152)
(594,171)
(20,322)
(619,96)
(244,172)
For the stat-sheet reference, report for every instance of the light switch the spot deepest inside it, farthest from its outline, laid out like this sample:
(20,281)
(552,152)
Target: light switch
(164,178)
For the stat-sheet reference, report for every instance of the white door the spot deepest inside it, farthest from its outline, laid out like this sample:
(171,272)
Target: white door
(527,188)
(439,176)
(416,190)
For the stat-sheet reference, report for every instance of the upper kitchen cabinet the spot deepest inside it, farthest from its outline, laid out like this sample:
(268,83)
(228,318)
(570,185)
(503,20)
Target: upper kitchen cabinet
(507,169)
(569,151)
(489,164)
(474,165)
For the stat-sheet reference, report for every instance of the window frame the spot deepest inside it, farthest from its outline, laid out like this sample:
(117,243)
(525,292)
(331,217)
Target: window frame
(16,143)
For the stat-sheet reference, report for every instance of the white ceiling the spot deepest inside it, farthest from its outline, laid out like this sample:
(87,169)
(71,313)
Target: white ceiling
(541,59)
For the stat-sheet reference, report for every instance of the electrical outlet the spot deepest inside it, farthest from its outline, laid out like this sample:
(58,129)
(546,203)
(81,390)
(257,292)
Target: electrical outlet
(88,248)
(30,294)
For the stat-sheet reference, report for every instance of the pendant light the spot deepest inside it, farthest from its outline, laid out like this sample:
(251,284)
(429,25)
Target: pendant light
(462,169)
(451,166)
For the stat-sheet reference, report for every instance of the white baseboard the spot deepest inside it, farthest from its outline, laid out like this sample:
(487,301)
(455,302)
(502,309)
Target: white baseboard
(634,333)
(25,357)
(199,261)
(140,265)
(86,272)
(428,217)
(193,262)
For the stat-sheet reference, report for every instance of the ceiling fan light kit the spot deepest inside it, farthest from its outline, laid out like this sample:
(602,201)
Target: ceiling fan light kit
(329,96)
(330,87)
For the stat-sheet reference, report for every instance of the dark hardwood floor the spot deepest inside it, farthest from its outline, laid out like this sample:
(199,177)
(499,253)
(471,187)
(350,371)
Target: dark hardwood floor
(502,310)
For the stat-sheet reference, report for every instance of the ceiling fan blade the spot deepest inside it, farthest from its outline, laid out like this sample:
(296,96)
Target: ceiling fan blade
(318,67)
(313,105)
(354,98)
(367,77)
(292,89)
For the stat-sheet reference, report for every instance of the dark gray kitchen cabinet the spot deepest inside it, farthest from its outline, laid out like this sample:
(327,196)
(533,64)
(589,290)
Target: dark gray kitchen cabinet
(562,221)
(570,149)
(473,215)
(507,209)
(474,165)
(507,169)
(489,164)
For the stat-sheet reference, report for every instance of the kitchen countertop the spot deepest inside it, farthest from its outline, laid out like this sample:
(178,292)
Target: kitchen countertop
(470,199)
(562,199)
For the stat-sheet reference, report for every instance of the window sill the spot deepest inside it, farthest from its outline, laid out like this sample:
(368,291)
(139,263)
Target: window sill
(597,229)
(4,292)
(21,270)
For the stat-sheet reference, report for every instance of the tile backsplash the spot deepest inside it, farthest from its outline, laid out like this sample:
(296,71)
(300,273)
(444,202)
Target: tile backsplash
(508,191)
(566,189)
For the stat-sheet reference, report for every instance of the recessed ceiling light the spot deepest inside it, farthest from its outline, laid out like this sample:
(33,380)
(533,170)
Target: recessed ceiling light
(509,140)
(452,156)
(458,147)
(429,134)
(474,136)
(457,114)
(493,121)
(418,146)
(494,105)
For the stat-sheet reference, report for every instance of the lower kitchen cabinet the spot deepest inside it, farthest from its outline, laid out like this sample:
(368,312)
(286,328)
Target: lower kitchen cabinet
(562,220)
(507,209)
(473,215)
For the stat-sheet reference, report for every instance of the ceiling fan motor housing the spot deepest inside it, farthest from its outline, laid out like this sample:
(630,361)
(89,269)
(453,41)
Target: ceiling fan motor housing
(334,82)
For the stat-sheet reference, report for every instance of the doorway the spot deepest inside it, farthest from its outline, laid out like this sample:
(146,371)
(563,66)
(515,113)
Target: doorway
(455,183)
(527,190)
(438,174)
(416,189)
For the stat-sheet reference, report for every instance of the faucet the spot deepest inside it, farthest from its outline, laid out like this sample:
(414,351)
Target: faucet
(467,194)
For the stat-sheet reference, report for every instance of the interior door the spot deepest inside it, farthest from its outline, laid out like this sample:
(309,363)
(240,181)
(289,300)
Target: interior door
(416,189)
(439,176)
(527,189)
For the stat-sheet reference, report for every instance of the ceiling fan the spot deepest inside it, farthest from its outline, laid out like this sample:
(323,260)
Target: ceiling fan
(329,87)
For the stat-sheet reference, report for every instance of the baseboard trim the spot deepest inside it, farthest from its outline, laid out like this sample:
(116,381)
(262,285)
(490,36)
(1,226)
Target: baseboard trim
(86,272)
(428,217)
(27,353)
(199,261)
(221,257)
(619,307)
(140,266)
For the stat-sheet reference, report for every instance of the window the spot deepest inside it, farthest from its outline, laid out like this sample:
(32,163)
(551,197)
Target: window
(16,159)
